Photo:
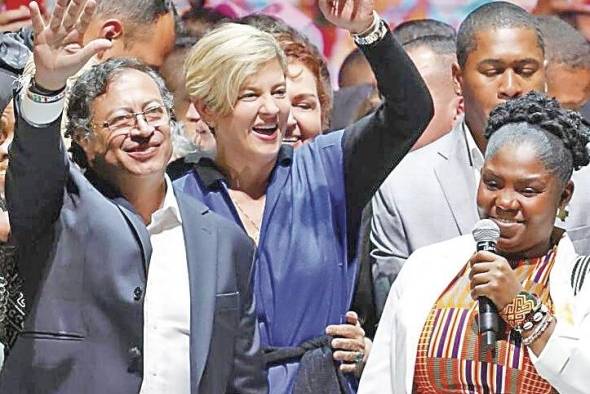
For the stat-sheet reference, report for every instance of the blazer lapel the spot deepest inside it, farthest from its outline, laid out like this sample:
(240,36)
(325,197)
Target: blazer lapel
(201,255)
(139,228)
(456,180)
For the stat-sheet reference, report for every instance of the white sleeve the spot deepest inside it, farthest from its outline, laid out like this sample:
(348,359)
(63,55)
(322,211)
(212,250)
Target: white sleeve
(565,360)
(377,377)
(38,113)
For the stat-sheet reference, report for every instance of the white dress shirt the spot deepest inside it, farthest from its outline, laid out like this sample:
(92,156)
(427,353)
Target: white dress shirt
(166,349)
(475,155)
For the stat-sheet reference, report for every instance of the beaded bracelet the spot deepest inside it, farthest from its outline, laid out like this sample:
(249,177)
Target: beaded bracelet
(39,98)
(44,96)
(522,311)
(539,330)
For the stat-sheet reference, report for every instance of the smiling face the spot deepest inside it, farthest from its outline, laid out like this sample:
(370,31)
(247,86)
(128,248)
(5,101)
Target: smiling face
(505,63)
(254,130)
(305,119)
(142,150)
(518,193)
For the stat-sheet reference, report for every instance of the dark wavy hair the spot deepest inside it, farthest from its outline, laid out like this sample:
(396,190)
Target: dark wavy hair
(94,83)
(559,136)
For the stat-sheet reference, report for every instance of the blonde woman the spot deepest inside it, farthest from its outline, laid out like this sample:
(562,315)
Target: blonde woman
(301,207)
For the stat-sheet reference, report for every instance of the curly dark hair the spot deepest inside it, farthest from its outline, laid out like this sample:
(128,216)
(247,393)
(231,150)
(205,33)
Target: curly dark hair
(560,136)
(94,83)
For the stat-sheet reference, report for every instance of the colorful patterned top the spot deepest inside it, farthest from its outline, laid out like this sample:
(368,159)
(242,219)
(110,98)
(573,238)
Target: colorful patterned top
(449,358)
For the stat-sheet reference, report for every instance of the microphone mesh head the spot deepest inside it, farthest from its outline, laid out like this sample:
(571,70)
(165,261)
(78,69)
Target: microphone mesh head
(486,231)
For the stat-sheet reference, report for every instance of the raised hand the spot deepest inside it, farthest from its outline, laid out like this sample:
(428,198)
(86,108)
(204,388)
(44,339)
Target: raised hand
(59,51)
(355,16)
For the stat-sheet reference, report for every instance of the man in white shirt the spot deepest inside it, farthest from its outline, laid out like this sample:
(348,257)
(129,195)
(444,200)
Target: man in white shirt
(89,231)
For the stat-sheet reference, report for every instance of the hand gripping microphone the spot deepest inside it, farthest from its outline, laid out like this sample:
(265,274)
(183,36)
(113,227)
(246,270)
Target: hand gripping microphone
(486,234)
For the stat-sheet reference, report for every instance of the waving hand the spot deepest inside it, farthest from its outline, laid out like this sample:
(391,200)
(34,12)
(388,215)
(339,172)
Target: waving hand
(59,51)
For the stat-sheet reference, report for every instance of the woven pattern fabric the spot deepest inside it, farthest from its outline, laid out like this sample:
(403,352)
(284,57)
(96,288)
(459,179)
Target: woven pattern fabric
(12,303)
(449,359)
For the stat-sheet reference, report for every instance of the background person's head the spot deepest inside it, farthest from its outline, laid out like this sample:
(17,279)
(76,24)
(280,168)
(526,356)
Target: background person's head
(235,76)
(194,128)
(417,28)
(534,146)
(120,117)
(356,70)
(198,21)
(137,28)
(434,57)
(568,62)
(500,55)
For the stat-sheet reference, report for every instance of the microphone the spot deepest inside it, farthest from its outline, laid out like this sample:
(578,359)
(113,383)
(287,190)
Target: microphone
(486,234)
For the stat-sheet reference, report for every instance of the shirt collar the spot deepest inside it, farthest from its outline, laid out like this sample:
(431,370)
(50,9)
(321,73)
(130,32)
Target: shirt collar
(475,155)
(168,216)
(212,176)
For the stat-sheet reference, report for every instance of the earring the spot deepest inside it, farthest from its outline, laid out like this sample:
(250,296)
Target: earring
(562,213)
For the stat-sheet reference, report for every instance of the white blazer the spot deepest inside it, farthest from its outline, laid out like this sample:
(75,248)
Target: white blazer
(564,362)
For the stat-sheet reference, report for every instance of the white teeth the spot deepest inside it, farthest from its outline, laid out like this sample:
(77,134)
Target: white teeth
(271,127)
(506,221)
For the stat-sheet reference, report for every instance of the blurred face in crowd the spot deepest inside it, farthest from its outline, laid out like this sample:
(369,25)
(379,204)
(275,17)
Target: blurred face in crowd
(504,64)
(254,129)
(518,193)
(436,70)
(150,45)
(358,73)
(305,119)
(125,143)
(197,130)
(570,86)
(6,136)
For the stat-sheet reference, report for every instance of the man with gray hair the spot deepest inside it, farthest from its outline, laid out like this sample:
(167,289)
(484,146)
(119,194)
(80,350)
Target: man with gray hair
(87,230)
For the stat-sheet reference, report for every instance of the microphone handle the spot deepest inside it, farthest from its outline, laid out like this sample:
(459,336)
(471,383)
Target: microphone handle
(488,322)
(488,314)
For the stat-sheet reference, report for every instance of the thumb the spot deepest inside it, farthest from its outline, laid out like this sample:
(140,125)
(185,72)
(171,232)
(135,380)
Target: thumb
(92,48)
(352,318)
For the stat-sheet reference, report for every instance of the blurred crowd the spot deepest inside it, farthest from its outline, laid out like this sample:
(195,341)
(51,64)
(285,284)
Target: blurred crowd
(330,214)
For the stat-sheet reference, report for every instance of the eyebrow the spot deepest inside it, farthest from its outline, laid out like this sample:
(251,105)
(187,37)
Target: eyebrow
(130,110)
(306,95)
(526,179)
(499,62)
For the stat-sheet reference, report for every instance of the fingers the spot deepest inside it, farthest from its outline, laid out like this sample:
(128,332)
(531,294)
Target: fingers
(352,318)
(345,357)
(72,13)
(348,368)
(86,17)
(354,345)
(345,331)
(36,18)
(58,14)
(479,268)
(483,256)
(91,49)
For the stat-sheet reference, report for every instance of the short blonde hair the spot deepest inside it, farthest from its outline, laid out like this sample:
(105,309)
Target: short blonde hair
(221,62)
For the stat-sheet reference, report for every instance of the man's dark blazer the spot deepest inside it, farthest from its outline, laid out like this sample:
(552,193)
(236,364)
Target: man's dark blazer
(84,259)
